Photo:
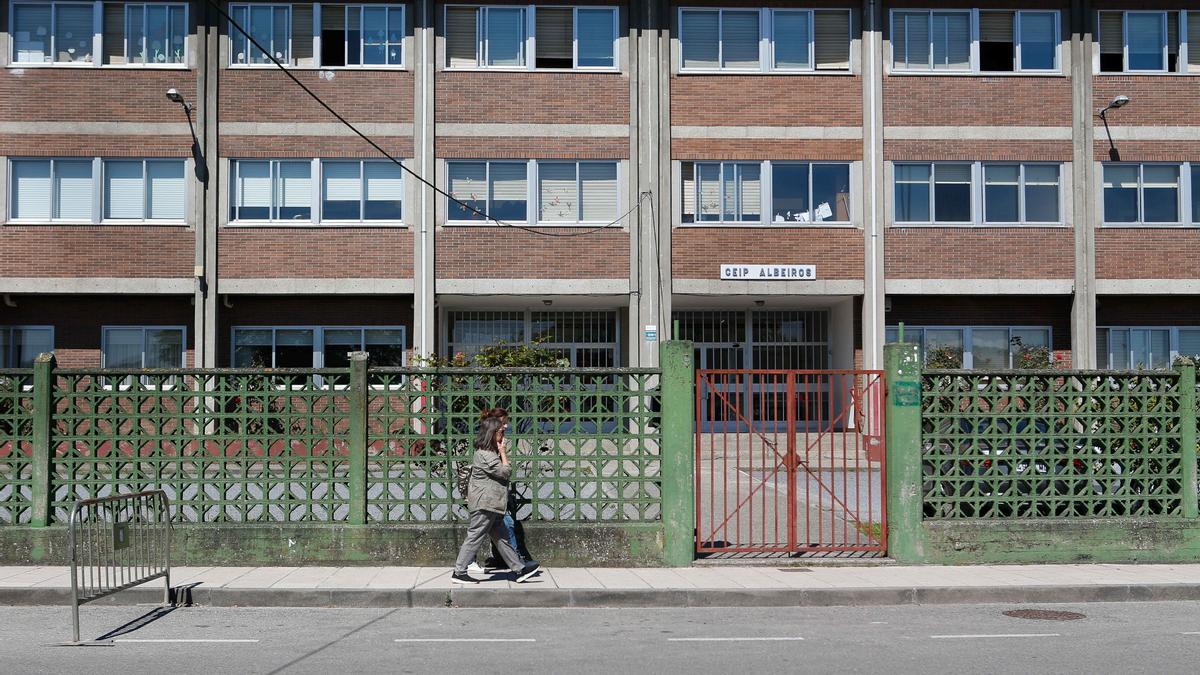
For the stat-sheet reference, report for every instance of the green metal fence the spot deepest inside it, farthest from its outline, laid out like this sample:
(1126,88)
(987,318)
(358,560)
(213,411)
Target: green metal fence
(1058,444)
(16,446)
(350,445)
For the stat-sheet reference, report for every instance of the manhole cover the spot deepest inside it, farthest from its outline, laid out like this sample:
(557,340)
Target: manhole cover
(1044,614)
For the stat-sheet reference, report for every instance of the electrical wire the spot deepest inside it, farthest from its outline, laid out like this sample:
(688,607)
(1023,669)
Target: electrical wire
(465,206)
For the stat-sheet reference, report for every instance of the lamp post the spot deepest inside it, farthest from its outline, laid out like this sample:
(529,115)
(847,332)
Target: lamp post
(1119,102)
(174,96)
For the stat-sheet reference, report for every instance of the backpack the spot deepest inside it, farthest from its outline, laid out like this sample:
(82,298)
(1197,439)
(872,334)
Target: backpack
(462,476)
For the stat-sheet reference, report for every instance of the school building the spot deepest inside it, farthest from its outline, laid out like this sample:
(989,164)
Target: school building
(784,183)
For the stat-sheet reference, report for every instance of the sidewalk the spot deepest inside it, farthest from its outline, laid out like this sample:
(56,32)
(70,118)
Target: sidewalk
(715,586)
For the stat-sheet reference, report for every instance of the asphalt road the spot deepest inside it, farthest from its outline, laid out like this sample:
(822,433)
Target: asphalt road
(1122,638)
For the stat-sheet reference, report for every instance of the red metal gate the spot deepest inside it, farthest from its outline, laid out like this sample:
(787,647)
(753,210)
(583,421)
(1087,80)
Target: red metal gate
(790,461)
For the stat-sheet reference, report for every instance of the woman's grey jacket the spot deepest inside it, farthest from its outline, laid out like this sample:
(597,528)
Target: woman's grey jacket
(488,489)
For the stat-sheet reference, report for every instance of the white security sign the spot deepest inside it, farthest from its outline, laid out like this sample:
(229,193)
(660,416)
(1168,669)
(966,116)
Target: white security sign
(769,272)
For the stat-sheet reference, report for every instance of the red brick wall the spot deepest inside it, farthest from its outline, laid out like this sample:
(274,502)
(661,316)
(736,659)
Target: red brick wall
(359,96)
(1155,100)
(534,97)
(1147,151)
(743,149)
(78,320)
(980,253)
(982,310)
(315,252)
(96,251)
(93,94)
(313,310)
(80,145)
(933,150)
(792,100)
(500,253)
(697,252)
(1147,253)
(400,147)
(916,100)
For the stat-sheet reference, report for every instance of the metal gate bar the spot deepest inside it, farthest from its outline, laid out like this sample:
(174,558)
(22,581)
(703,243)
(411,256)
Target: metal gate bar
(759,433)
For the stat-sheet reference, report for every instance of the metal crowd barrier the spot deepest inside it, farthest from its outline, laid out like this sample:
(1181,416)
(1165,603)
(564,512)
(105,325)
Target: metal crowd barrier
(116,543)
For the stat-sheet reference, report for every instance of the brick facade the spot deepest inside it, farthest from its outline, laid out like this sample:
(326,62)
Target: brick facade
(697,252)
(980,253)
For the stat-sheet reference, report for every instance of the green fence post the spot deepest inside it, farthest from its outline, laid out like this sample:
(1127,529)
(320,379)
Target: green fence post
(905,537)
(358,438)
(1187,438)
(43,447)
(678,452)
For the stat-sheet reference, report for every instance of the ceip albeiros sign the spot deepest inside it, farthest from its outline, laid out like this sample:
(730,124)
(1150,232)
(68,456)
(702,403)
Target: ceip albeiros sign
(769,272)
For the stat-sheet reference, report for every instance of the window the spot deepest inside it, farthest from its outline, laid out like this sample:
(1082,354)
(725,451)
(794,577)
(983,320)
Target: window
(499,189)
(945,193)
(1142,193)
(65,33)
(806,193)
(562,37)
(996,347)
(586,339)
(143,190)
(361,191)
(20,345)
(1149,41)
(143,347)
(361,35)
(576,192)
(272,190)
(317,346)
(733,39)
(722,192)
(270,26)
(1142,347)
(1008,41)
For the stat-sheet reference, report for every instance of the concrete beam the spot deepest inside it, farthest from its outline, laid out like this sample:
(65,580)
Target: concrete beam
(98,285)
(96,128)
(980,286)
(807,288)
(549,287)
(316,286)
(313,129)
(1155,133)
(771,133)
(1148,286)
(978,133)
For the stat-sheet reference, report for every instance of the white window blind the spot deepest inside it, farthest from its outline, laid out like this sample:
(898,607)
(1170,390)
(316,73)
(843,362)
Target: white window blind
(751,191)
(701,39)
(467,180)
(384,181)
(73,190)
(688,181)
(461,36)
(508,181)
(739,39)
(831,31)
(557,199)
(951,37)
(123,348)
(31,189)
(294,190)
(791,39)
(254,185)
(553,33)
(598,187)
(342,181)
(167,187)
(124,190)
(1193,41)
(31,33)
(910,40)
(709,178)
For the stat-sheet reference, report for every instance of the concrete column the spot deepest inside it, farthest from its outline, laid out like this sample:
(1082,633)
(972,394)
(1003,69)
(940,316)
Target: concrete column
(423,199)
(207,213)
(873,319)
(1083,310)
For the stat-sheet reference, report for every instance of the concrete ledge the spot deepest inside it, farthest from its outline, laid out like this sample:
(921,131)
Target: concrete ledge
(1061,540)
(1147,287)
(610,598)
(99,285)
(980,286)
(316,286)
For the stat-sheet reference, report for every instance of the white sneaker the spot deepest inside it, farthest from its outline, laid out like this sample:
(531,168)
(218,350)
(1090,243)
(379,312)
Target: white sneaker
(474,568)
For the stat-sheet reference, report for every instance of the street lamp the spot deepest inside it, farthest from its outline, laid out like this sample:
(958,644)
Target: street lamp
(1119,102)
(174,96)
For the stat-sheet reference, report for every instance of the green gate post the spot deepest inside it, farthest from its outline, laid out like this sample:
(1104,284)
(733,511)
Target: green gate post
(1187,437)
(678,452)
(905,537)
(43,447)
(358,438)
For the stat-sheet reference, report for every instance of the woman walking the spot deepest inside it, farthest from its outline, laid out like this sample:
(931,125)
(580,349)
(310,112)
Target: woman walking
(494,561)
(487,500)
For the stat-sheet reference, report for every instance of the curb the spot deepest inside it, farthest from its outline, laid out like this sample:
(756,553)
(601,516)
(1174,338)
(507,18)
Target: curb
(618,598)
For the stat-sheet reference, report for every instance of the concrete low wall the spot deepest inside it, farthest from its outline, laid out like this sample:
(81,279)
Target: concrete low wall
(559,544)
(1060,541)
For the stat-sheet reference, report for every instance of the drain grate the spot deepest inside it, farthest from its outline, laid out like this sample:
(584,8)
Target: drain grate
(793,569)
(1045,614)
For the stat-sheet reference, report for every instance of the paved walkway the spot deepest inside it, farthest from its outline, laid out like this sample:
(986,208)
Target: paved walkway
(644,587)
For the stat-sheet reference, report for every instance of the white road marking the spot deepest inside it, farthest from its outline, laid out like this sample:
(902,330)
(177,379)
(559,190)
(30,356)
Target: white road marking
(878,623)
(185,640)
(994,635)
(1194,632)
(466,640)
(734,639)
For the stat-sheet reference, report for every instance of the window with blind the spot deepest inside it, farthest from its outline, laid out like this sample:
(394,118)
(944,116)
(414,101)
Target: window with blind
(356,35)
(793,193)
(1145,347)
(1008,41)
(87,190)
(498,189)
(317,191)
(946,193)
(764,40)
(1148,194)
(562,38)
(20,345)
(272,190)
(1149,41)
(361,191)
(144,190)
(64,33)
(722,192)
(577,192)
